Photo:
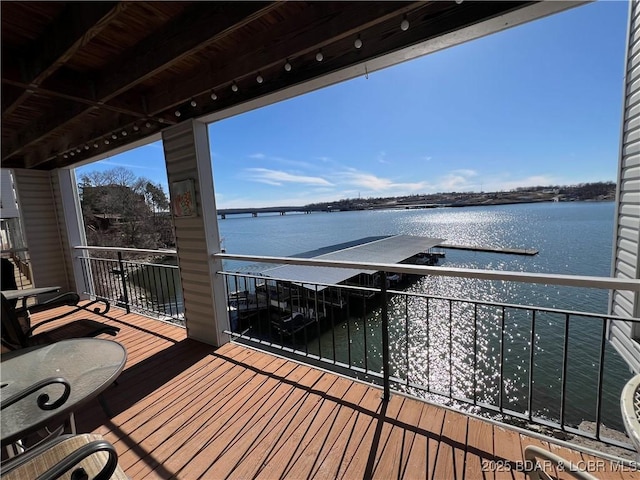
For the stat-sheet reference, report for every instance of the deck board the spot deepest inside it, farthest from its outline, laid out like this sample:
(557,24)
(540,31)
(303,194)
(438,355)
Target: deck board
(183,409)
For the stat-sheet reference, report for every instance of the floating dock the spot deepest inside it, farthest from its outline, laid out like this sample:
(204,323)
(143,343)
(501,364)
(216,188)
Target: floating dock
(474,248)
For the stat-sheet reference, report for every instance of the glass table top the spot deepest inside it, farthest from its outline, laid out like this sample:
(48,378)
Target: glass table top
(90,365)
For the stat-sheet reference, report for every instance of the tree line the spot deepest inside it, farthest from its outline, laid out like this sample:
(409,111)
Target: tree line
(122,210)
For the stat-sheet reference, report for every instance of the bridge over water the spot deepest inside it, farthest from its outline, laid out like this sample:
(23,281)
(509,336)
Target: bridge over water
(224,212)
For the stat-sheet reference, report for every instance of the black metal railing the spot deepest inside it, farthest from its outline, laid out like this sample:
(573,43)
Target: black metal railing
(523,364)
(139,285)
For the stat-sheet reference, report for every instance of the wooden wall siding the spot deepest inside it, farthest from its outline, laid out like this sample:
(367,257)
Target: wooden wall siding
(626,261)
(64,238)
(43,227)
(186,149)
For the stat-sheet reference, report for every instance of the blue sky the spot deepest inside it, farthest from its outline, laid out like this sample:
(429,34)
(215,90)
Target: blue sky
(538,104)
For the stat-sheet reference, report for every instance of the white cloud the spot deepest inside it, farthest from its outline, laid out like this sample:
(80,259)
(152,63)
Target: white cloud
(465,172)
(382,157)
(281,160)
(293,199)
(379,184)
(129,165)
(279,177)
(457,180)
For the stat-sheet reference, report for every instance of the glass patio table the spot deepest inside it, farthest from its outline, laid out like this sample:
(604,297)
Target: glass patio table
(27,292)
(88,365)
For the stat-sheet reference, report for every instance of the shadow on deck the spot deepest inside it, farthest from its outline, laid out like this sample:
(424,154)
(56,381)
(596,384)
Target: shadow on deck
(183,409)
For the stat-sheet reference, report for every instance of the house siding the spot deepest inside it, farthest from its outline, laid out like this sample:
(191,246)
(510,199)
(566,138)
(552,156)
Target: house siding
(186,149)
(44,227)
(624,336)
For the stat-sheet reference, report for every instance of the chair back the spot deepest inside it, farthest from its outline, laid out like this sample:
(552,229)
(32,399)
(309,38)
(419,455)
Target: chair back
(12,334)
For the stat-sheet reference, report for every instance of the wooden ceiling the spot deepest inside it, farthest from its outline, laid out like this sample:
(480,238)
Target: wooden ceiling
(82,78)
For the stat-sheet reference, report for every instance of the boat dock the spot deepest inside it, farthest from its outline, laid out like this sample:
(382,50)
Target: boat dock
(475,248)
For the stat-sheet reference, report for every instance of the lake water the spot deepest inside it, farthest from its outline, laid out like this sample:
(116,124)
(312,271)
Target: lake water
(572,238)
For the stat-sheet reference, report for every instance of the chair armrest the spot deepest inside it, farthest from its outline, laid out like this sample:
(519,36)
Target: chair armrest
(43,399)
(532,453)
(82,453)
(52,461)
(58,300)
(87,307)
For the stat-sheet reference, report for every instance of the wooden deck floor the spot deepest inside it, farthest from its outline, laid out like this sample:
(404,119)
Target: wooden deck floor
(183,409)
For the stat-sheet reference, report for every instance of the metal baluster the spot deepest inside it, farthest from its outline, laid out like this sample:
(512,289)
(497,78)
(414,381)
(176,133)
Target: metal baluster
(475,353)
(124,285)
(428,351)
(501,388)
(159,285)
(406,334)
(532,343)
(364,328)
(601,376)
(348,330)
(565,348)
(450,349)
(318,328)
(333,326)
(385,340)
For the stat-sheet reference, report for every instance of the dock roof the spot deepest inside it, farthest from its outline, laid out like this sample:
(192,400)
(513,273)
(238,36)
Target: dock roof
(392,249)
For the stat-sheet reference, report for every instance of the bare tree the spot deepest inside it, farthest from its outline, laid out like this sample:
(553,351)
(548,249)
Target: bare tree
(123,210)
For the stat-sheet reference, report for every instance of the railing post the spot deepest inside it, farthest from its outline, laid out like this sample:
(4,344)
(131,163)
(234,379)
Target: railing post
(385,340)
(124,283)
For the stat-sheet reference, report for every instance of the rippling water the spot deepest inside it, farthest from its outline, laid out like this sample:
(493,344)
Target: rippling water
(572,238)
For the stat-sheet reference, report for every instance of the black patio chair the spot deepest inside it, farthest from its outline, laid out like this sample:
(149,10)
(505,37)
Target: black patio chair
(16,335)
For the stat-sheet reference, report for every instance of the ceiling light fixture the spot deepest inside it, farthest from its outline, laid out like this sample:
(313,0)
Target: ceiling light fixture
(148,124)
(213,95)
(287,66)
(136,128)
(95,145)
(65,156)
(86,147)
(72,153)
(114,136)
(234,86)
(358,42)
(259,78)
(124,133)
(106,141)
(404,25)
(319,56)
(178,113)
(193,103)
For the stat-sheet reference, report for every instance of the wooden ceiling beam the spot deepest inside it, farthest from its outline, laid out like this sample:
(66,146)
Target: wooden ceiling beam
(47,92)
(319,27)
(77,24)
(78,137)
(426,23)
(200,26)
(61,111)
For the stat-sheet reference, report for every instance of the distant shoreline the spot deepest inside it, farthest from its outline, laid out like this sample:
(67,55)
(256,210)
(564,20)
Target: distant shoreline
(288,209)
(598,191)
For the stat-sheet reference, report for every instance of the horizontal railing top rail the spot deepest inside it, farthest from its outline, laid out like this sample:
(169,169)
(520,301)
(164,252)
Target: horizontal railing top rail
(445,298)
(125,249)
(524,277)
